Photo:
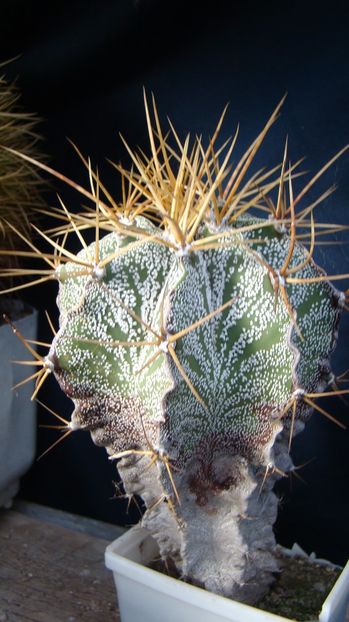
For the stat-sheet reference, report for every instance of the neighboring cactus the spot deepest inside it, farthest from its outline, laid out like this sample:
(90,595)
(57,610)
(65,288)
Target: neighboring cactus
(20,198)
(20,183)
(193,340)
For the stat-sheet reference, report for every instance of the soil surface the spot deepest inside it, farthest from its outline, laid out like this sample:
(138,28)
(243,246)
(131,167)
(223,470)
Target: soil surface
(299,589)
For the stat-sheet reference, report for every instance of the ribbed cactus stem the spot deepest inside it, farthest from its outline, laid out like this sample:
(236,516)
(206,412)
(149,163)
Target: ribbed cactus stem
(192,339)
(184,367)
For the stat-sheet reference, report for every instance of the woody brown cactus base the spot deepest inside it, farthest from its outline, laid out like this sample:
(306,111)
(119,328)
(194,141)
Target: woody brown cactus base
(194,337)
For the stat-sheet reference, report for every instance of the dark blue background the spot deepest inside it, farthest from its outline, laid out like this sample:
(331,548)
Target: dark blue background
(82,68)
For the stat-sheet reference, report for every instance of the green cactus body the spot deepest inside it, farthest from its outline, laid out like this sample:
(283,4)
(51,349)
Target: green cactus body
(193,337)
(209,413)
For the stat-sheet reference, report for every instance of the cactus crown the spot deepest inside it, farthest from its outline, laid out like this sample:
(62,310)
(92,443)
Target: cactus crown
(187,340)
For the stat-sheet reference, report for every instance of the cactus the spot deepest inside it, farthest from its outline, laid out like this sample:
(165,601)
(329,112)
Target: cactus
(194,337)
(20,183)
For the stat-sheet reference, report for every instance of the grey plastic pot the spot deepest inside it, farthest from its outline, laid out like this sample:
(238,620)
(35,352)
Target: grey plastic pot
(17,412)
(147,595)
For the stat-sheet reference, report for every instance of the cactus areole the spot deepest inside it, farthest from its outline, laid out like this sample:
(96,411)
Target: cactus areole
(194,334)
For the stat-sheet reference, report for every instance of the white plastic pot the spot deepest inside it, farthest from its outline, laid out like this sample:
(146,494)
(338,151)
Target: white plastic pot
(147,595)
(17,412)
